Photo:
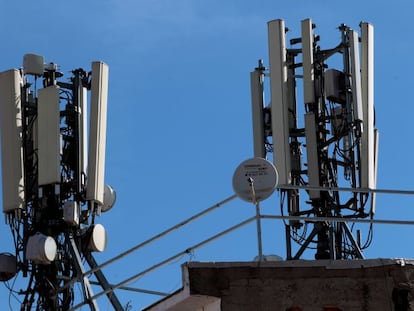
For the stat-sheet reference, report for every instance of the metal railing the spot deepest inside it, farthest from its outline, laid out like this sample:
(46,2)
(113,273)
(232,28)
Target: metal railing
(258,217)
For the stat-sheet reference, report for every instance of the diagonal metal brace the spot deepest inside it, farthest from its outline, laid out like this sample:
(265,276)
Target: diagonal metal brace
(103,282)
(81,270)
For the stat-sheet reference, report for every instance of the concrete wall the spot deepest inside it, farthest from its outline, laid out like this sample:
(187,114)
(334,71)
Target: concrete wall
(360,285)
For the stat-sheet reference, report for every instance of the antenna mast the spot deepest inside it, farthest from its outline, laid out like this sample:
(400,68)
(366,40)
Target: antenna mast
(327,140)
(52,190)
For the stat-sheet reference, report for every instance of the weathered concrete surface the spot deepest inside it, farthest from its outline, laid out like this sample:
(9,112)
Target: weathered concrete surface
(357,285)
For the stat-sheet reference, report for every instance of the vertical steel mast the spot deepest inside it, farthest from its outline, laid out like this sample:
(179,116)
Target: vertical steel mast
(52,192)
(323,142)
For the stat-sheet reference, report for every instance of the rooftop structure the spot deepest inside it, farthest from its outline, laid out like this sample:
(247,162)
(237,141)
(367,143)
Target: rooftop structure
(351,285)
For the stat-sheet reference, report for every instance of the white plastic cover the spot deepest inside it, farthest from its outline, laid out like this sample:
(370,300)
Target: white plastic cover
(257,99)
(109,198)
(368,160)
(97,241)
(48,127)
(71,213)
(33,64)
(97,133)
(279,100)
(41,249)
(11,142)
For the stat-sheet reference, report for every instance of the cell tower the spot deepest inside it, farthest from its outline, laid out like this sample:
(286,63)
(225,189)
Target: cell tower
(326,143)
(53,188)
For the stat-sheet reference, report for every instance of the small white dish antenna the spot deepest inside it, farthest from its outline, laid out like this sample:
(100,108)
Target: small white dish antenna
(255,180)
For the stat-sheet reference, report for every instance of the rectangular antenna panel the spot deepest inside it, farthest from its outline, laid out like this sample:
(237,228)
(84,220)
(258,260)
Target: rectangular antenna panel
(83,127)
(279,100)
(312,154)
(374,194)
(355,76)
(256,88)
(367,169)
(48,132)
(307,56)
(11,140)
(97,133)
(33,64)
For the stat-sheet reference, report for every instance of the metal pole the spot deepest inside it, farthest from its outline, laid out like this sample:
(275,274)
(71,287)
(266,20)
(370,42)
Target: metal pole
(258,217)
(259,232)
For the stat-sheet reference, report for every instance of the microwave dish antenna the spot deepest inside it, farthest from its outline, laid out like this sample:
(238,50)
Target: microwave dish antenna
(255,180)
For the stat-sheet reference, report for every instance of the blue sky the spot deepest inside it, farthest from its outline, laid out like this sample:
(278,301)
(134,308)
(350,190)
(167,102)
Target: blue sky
(179,116)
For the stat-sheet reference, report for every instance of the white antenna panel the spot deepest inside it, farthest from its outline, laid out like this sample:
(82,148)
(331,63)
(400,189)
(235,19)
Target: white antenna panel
(83,128)
(97,133)
(356,76)
(312,154)
(307,55)
(373,195)
(33,64)
(48,129)
(11,142)
(367,83)
(256,87)
(279,101)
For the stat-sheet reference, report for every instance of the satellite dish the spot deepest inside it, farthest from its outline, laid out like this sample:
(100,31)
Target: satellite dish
(256,174)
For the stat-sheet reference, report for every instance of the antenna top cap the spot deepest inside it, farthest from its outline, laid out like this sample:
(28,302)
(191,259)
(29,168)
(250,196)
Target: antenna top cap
(255,180)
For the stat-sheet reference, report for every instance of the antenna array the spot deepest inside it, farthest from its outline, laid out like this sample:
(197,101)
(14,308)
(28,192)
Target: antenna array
(327,139)
(52,189)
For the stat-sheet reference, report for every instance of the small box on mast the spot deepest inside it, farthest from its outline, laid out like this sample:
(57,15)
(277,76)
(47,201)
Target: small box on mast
(33,64)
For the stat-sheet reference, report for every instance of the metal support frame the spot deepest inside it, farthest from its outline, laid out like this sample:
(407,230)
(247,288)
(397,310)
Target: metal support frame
(52,146)
(331,134)
(87,289)
(103,282)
